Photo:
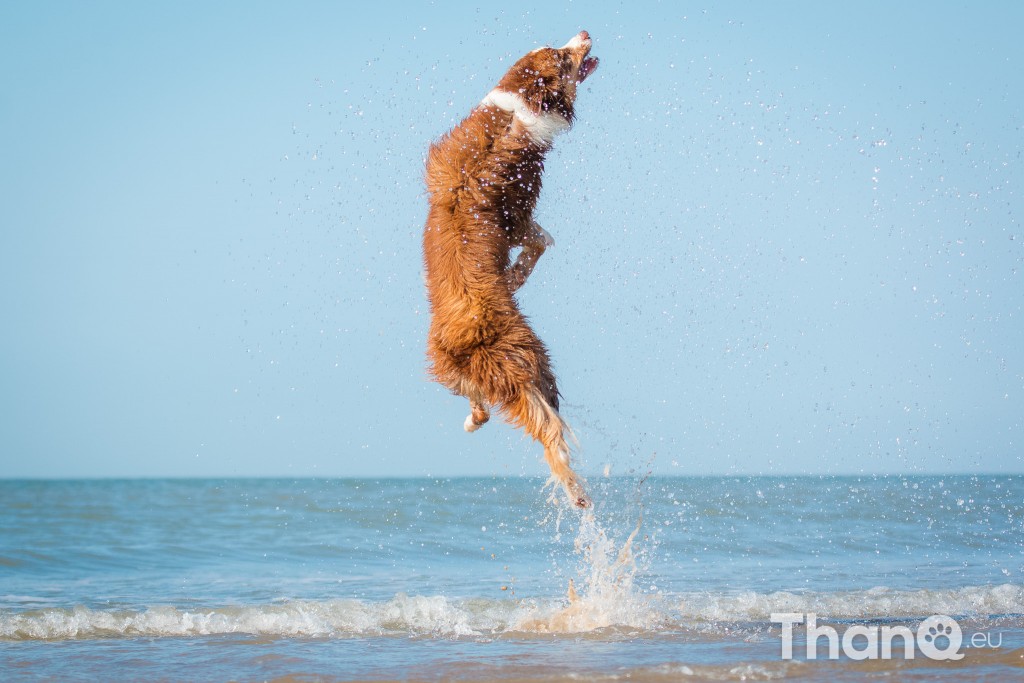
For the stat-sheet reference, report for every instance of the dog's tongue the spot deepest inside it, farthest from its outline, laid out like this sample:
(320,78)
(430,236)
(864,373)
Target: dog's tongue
(587,67)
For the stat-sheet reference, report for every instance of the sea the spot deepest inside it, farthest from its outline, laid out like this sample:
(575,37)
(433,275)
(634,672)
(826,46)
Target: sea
(496,579)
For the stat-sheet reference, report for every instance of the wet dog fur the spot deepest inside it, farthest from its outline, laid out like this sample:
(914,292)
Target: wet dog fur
(483,179)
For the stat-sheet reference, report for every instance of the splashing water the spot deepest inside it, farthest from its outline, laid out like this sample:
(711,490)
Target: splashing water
(607,597)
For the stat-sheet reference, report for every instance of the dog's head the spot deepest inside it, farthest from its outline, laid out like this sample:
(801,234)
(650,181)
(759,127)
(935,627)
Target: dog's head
(541,87)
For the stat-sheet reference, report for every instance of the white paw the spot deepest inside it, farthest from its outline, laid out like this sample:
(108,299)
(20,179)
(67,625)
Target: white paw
(469,425)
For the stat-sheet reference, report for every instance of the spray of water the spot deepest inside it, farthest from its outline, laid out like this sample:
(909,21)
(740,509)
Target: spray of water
(605,597)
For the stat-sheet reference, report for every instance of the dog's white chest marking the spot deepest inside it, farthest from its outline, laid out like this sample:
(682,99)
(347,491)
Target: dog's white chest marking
(542,127)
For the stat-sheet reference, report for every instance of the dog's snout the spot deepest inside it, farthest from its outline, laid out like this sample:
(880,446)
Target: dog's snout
(581,39)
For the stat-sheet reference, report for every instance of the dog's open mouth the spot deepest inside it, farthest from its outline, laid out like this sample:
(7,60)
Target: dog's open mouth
(587,68)
(581,41)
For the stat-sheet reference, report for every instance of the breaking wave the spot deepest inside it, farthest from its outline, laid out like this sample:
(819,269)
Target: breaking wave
(439,616)
(604,602)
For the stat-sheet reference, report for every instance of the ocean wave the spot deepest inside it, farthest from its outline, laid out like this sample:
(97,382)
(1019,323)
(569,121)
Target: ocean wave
(875,603)
(424,615)
(439,616)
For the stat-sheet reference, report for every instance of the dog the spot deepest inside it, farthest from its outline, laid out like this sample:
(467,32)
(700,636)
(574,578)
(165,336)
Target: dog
(483,179)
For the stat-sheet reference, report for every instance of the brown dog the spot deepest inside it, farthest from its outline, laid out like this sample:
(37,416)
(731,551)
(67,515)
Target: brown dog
(484,178)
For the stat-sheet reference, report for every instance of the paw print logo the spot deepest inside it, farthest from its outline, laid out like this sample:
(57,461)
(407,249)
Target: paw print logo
(939,630)
(939,637)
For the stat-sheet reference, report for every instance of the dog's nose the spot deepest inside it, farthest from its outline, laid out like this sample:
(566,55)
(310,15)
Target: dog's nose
(579,40)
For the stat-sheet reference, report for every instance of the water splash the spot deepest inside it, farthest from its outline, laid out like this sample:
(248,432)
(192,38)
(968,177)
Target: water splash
(606,597)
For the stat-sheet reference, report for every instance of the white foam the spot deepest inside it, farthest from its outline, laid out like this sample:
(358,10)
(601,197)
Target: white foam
(875,603)
(606,599)
(426,615)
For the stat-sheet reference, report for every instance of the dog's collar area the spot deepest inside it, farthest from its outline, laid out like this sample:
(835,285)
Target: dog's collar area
(542,128)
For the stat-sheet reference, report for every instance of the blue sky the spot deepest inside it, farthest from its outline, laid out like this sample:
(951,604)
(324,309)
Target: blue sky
(788,237)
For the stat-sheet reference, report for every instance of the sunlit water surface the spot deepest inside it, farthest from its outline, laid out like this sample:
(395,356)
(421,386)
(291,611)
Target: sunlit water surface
(469,579)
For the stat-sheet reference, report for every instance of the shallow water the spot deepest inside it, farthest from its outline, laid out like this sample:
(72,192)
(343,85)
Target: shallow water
(469,579)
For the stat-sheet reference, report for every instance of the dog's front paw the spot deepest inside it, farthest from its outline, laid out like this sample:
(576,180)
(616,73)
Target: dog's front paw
(545,237)
(542,236)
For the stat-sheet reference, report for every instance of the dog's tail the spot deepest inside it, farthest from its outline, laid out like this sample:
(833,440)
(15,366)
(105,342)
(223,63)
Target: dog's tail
(508,368)
(534,412)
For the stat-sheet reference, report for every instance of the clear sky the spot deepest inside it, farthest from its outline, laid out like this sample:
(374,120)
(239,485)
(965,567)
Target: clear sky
(788,237)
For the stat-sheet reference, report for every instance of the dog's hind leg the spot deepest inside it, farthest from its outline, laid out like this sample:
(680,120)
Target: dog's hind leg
(557,456)
(478,414)
(477,417)
(541,420)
